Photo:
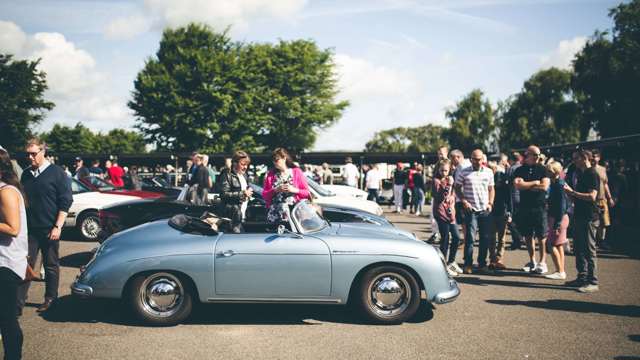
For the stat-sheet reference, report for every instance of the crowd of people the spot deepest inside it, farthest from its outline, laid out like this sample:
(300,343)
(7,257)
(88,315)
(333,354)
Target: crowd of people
(539,200)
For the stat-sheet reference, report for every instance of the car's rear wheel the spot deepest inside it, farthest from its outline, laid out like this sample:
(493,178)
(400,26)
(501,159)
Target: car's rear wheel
(388,295)
(89,225)
(160,298)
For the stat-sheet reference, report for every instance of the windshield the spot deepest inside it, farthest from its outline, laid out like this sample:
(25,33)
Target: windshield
(307,218)
(77,187)
(99,183)
(318,188)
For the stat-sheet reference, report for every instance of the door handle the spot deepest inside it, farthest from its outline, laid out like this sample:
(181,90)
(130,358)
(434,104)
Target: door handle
(226,253)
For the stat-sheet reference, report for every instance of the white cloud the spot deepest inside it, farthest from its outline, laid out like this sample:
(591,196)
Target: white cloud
(128,27)
(361,80)
(562,57)
(219,14)
(75,85)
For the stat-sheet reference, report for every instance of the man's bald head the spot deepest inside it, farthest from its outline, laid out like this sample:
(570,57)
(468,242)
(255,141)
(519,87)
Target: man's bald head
(532,155)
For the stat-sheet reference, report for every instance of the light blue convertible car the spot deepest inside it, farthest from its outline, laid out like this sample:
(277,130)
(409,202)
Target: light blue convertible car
(161,268)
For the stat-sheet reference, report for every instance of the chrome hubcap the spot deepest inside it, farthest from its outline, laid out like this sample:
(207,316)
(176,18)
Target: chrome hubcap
(91,227)
(389,294)
(161,294)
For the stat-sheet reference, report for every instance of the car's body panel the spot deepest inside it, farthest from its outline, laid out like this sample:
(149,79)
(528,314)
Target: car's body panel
(92,200)
(344,190)
(318,267)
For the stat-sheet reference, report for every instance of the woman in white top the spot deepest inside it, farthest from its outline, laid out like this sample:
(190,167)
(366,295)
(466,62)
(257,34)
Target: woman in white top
(13,255)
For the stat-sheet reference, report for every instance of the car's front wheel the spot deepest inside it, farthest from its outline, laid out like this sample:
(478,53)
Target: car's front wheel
(160,298)
(89,226)
(388,295)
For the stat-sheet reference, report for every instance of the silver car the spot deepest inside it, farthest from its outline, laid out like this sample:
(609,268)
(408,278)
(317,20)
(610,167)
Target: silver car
(161,268)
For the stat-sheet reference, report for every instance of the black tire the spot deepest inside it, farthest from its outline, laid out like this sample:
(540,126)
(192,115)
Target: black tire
(173,298)
(88,225)
(397,299)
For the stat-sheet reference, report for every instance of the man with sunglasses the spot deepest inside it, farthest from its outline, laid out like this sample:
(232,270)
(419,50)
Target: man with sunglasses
(48,191)
(532,182)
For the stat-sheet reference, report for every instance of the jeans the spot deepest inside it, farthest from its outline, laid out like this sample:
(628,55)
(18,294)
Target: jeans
(496,246)
(445,229)
(418,199)
(477,220)
(39,240)
(9,326)
(397,196)
(373,195)
(584,243)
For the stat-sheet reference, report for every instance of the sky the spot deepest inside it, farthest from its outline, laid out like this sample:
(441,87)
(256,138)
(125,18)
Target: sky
(398,62)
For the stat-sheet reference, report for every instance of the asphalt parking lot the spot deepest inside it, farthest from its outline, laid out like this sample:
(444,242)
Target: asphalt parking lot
(509,315)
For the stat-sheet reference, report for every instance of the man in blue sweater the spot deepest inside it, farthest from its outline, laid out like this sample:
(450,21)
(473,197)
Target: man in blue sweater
(49,196)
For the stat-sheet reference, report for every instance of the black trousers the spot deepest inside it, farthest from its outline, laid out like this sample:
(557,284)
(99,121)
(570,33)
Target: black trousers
(9,326)
(39,241)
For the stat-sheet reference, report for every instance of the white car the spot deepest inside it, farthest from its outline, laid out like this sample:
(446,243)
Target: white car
(344,190)
(83,214)
(325,197)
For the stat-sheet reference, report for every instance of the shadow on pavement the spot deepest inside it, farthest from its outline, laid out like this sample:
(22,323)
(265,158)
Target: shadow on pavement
(575,306)
(490,281)
(635,338)
(76,260)
(627,357)
(72,309)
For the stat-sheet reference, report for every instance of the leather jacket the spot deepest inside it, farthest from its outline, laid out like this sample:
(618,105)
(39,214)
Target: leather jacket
(230,188)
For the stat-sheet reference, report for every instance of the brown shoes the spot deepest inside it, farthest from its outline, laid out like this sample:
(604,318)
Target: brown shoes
(499,266)
(46,305)
(468,270)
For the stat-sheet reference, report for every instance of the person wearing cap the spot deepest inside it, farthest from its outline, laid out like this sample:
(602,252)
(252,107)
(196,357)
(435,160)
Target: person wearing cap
(81,171)
(49,196)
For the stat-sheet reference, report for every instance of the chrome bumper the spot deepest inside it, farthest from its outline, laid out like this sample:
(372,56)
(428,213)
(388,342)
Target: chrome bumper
(81,290)
(449,295)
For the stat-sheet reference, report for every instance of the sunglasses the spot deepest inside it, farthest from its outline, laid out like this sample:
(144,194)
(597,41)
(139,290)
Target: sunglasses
(33,154)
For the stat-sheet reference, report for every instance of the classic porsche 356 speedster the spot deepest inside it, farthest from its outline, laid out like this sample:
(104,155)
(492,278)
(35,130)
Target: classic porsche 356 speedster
(162,268)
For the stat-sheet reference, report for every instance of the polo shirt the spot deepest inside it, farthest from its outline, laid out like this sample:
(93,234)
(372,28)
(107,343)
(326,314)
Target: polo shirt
(475,186)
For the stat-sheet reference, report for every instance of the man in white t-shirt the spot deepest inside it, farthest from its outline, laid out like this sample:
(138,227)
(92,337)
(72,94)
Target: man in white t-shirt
(373,181)
(351,173)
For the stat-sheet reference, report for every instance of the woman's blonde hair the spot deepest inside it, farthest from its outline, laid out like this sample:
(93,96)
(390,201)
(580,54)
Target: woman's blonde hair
(555,168)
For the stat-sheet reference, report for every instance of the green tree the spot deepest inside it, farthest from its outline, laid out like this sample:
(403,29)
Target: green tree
(472,123)
(22,105)
(75,140)
(119,141)
(203,91)
(607,74)
(426,138)
(544,112)
(81,140)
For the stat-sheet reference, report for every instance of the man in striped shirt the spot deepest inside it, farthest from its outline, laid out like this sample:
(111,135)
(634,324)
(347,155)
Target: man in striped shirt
(475,187)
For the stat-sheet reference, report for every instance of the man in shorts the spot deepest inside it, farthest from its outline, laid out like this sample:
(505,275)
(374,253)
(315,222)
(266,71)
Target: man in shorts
(532,181)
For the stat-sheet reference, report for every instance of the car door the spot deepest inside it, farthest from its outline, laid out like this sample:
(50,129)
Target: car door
(272,266)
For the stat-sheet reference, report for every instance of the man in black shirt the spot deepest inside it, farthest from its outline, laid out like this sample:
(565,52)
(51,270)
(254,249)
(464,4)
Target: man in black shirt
(585,219)
(399,182)
(532,182)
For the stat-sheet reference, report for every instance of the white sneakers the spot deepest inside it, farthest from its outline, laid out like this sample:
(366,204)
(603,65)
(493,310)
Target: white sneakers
(529,267)
(591,288)
(453,269)
(557,276)
(541,268)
